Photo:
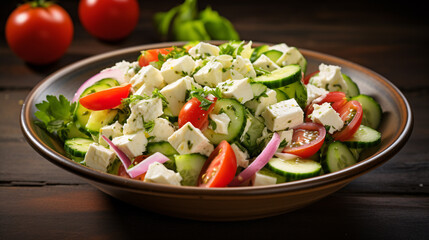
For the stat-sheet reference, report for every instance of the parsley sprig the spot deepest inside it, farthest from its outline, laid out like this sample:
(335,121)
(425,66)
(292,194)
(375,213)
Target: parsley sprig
(202,93)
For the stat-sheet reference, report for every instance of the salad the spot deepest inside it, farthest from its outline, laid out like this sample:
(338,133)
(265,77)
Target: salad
(215,116)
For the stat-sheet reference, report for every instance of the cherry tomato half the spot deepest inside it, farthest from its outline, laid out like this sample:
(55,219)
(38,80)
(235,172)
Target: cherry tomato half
(307,139)
(152,55)
(193,113)
(109,20)
(105,99)
(351,114)
(39,32)
(337,100)
(123,173)
(219,169)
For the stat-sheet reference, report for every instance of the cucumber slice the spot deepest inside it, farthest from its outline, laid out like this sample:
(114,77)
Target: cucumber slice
(274,55)
(258,89)
(113,168)
(189,167)
(281,77)
(267,172)
(295,169)
(372,113)
(356,152)
(257,52)
(338,156)
(77,147)
(280,95)
(352,87)
(99,119)
(162,147)
(249,139)
(298,91)
(237,115)
(364,137)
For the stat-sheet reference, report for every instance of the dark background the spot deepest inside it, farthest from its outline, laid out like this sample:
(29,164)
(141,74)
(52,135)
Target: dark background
(41,201)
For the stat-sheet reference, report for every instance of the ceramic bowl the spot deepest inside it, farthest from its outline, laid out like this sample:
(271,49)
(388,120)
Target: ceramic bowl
(221,204)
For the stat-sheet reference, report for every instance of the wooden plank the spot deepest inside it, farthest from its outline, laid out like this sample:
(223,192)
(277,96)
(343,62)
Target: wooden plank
(80,212)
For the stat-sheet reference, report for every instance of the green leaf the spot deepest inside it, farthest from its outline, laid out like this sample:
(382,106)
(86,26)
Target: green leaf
(191,31)
(218,27)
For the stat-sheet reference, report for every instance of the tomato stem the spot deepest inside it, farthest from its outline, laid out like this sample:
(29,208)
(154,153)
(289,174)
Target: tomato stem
(40,3)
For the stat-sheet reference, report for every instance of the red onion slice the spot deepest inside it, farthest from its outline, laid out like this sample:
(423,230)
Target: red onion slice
(259,162)
(143,166)
(117,74)
(121,155)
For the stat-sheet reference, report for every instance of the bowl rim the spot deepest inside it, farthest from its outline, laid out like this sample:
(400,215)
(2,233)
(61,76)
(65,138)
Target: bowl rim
(363,166)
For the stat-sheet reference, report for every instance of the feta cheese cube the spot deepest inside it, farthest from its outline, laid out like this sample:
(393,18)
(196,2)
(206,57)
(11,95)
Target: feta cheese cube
(149,76)
(175,93)
(231,74)
(285,138)
(329,78)
(162,130)
(241,156)
(220,123)
(132,145)
(265,63)
(189,139)
(202,50)
(174,69)
(134,123)
(283,115)
(261,103)
(282,47)
(327,116)
(244,67)
(110,131)
(99,157)
(129,69)
(238,89)
(291,55)
(158,173)
(314,92)
(263,180)
(209,75)
(225,60)
(143,111)
(247,50)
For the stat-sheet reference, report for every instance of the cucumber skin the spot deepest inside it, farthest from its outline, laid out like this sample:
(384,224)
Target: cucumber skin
(351,84)
(355,143)
(71,151)
(289,176)
(189,167)
(277,83)
(327,168)
(364,106)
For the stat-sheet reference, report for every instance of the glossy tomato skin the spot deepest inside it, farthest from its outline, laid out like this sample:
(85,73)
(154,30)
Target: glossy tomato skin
(39,34)
(308,149)
(306,79)
(109,20)
(337,100)
(105,99)
(353,124)
(219,169)
(151,55)
(193,113)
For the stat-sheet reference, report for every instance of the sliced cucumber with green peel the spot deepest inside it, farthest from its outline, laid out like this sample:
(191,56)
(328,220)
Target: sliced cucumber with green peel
(237,115)
(281,77)
(295,169)
(352,87)
(189,167)
(273,55)
(161,147)
(298,91)
(280,95)
(364,137)
(258,89)
(77,147)
(249,138)
(337,157)
(267,172)
(99,119)
(257,52)
(372,113)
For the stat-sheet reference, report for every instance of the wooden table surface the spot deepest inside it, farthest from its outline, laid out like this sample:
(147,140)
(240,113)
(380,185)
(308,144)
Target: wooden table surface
(38,200)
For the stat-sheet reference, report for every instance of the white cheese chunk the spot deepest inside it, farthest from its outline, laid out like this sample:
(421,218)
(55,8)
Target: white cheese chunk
(238,89)
(241,156)
(247,50)
(283,115)
(162,130)
(202,50)
(231,74)
(291,55)
(132,145)
(285,138)
(282,47)
(260,104)
(221,123)
(329,78)
(327,116)
(263,180)
(158,173)
(244,67)
(265,63)
(209,75)
(110,131)
(175,93)
(99,157)
(314,92)
(142,111)
(189,139)
(129,69)
(174,69)
(225,60)
(149,76)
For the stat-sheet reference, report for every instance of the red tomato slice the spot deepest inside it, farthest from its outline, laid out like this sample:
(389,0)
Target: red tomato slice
(219,169)
(193,113)
(337,100)
(306,79)
(105,99)
(307,139)
(351,114)
(152,55)
(123,173)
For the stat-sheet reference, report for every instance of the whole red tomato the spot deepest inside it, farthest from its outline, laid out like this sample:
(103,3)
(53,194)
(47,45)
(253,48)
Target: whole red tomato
(109,20)
(39,32)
